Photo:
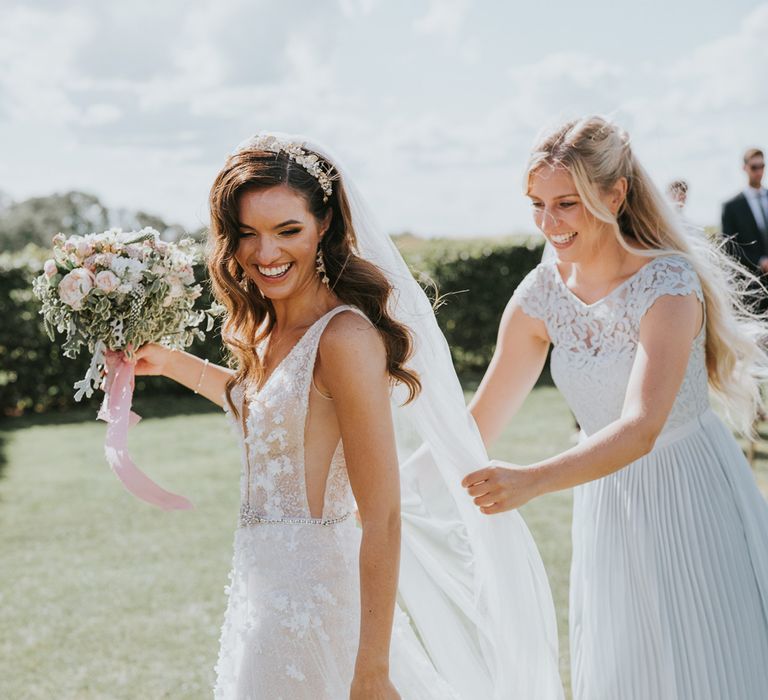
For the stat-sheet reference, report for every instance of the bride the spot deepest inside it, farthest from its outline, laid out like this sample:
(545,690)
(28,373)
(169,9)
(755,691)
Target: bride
(337,354)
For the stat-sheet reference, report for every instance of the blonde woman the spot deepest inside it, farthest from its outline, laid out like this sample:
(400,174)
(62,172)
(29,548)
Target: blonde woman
(669,580)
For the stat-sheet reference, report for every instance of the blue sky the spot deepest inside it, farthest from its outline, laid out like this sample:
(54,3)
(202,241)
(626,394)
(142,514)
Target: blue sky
(432,103)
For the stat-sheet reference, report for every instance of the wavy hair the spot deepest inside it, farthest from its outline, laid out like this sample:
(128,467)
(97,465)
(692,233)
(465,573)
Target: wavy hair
(597,153)
(250,317)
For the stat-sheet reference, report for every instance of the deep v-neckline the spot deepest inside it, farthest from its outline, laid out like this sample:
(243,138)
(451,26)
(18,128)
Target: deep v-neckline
(259,390)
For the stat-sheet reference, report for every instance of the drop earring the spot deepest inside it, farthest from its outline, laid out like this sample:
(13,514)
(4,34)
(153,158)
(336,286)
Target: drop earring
(320,267)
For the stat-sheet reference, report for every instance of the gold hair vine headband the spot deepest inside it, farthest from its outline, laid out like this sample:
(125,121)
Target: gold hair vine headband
(296,152)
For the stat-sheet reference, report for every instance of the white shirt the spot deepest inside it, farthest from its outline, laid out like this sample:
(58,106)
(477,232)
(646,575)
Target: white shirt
(754,197)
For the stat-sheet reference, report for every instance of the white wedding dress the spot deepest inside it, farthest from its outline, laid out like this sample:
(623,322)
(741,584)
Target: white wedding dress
(669,579)
(292,622)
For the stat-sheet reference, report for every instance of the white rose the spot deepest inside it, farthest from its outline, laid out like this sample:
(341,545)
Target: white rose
(50,268)
(125,288)
(107,281)
(75,287)
(127,269)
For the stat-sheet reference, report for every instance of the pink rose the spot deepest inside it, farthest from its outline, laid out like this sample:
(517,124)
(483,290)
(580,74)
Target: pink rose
(50,268)
(134,251)
(83,249)
(107,281)
(75,287)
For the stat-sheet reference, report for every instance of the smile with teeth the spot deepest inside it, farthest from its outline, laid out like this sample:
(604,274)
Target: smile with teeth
(274,271)
(563,238)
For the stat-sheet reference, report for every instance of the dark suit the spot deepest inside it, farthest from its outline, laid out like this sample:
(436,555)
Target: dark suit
(746,242)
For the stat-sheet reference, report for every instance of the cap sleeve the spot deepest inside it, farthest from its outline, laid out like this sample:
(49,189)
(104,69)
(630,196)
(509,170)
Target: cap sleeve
(667,276)
(533,293)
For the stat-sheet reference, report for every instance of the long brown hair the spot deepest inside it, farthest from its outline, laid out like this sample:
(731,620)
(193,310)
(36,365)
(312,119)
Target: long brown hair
(250,317)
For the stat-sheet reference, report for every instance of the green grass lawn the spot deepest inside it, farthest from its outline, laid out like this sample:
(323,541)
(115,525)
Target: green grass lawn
(104,597)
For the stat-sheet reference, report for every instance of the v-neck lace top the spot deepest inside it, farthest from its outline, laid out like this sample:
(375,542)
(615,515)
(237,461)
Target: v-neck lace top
(273,483)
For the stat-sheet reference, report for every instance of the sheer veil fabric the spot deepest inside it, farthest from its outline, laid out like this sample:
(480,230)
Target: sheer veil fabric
(473,585)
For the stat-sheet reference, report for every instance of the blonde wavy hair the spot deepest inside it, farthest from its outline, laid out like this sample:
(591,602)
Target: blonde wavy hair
(597,153)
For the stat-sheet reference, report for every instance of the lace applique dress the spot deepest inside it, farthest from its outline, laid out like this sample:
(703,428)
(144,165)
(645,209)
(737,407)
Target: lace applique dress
(292,622)
(669,578)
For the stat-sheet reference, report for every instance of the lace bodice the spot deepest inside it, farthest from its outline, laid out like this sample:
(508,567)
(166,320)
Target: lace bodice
(594,345)
(273,483)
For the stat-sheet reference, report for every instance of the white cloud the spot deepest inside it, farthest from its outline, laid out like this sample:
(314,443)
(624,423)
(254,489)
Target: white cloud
(113,92)
(443,17)
(100,114)
(36,51)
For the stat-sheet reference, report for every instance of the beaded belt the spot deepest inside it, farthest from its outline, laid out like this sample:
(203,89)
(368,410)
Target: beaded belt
(248,516)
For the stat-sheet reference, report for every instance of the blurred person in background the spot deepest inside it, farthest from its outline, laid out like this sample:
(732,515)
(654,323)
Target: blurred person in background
(745,223)
(677,191)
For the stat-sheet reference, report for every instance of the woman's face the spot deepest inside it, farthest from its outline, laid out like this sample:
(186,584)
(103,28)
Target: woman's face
(278,242)
(558,211)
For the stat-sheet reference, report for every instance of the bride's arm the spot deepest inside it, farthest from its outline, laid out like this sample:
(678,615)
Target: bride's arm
(206,379)
(666,335)
(352,369)
(521,350)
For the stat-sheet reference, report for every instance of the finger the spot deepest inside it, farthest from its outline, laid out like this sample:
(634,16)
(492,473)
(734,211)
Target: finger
(493,509)
(479,489)
(475,477)
(485,501)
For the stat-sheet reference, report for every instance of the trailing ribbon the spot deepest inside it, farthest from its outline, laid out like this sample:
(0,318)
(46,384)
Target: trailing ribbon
(116,411)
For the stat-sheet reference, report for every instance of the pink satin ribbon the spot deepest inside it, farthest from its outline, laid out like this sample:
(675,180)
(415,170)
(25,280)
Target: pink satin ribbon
(116,411)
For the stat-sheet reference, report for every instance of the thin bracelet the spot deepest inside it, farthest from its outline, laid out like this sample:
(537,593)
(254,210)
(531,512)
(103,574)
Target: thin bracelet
(202,374)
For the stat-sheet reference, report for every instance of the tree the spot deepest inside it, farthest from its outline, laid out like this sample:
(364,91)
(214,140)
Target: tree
(38,219)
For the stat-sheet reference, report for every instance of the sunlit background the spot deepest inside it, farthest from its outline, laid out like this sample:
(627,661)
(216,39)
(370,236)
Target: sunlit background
(433,103)
(128,109)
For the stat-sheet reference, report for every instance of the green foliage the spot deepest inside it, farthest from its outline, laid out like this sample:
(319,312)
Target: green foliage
(474,280)
(34,373)
(38,219)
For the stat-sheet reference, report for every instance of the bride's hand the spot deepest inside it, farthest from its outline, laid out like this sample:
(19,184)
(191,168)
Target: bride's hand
(502,486)
(372,687)
(151,359)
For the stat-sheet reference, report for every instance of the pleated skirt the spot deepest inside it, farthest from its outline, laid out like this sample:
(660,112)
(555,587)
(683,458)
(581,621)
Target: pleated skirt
(669,578)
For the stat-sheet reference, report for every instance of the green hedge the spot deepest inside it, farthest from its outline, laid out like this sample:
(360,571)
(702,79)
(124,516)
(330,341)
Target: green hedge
(475,280)
(34,374)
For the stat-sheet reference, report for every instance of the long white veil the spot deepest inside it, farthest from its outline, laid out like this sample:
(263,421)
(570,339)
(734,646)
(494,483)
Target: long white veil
(473,585)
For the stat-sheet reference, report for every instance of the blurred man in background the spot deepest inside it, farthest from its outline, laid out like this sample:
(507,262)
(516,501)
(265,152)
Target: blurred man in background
(745,221)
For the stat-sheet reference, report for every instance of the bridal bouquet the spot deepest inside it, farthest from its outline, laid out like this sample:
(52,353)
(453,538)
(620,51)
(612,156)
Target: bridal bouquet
(112,292)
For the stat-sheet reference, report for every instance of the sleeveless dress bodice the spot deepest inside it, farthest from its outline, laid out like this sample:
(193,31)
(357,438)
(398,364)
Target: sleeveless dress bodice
(292,622)
(273,484)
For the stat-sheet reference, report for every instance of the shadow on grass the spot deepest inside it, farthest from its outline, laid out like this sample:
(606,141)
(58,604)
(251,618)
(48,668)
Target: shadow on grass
(154,406)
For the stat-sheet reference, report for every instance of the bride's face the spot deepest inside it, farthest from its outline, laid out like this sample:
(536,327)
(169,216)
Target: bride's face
(558,211)
(278,241)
